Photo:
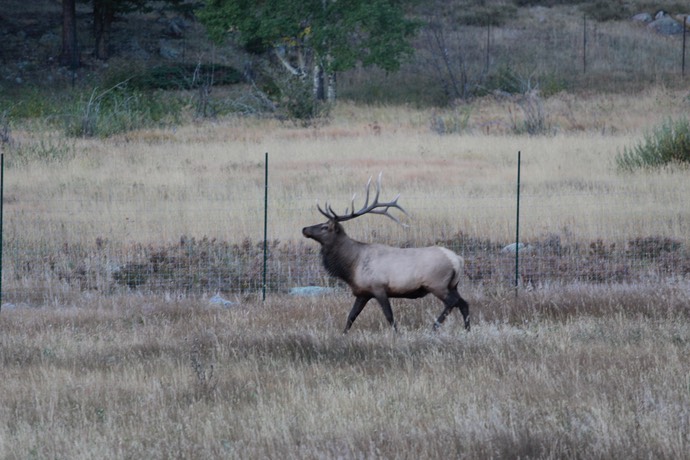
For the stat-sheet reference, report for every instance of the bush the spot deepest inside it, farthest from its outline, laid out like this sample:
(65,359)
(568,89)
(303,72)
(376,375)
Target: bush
(667,144)
(120,109)
(481,14)
(606,10)
(186,76)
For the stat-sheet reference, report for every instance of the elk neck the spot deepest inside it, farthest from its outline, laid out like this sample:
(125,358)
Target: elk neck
(340,258)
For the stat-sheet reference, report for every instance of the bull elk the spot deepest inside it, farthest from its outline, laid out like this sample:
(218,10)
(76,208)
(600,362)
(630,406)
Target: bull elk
(377,271)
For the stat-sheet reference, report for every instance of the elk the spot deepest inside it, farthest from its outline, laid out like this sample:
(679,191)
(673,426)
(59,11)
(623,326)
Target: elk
(377,271)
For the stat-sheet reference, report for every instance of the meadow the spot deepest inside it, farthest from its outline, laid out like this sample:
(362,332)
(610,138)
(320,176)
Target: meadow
(588,360)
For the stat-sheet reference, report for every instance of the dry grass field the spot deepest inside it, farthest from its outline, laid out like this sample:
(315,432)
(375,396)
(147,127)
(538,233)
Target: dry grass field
(586,373)
(586,364)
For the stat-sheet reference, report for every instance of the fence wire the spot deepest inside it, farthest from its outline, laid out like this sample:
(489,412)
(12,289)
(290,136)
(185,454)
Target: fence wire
(91,252)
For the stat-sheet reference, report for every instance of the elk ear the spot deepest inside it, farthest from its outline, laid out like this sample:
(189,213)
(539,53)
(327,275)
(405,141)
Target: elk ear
(333,226)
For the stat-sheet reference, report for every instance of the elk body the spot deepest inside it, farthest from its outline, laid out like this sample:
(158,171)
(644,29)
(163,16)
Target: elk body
(377,271)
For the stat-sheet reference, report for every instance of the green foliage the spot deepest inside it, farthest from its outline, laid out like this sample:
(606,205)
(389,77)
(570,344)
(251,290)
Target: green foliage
(483,14)
(606,10)
(28,103)
(667,144)
(298,104)
(341,34)
(120,109)
(547,2)
(185,76)
(506,79)
(455,122)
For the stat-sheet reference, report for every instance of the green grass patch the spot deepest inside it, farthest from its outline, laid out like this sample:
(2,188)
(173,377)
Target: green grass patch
(668,144)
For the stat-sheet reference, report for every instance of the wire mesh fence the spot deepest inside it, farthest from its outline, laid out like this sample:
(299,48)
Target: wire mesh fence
(60,249)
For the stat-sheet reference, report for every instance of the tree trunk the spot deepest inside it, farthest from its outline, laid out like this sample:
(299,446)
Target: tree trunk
(331,89)
(103,16)
(70,49)
(319,94)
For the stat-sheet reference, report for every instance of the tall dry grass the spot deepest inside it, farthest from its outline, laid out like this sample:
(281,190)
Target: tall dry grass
(581,373)
(155,186)
(567,370)
(167,207)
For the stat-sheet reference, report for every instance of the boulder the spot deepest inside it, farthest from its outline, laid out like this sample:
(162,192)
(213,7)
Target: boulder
(643,17)
(219,300)
(310,291)
(666,25)
(168,50)
(510,249)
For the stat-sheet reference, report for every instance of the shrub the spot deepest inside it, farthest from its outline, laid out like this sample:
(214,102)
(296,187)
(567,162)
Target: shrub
(667,144)
(120,109)
(606,10)
(186,76)
(482,14)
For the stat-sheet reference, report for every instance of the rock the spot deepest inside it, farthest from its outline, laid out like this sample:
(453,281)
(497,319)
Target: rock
(50,40)
(176,27)
(642,17)
(510,249)
(167,50)
(666,26)
(134,48)
(219,300)
(310,291)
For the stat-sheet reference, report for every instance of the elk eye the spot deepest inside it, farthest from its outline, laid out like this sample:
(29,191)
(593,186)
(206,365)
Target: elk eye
(324,227)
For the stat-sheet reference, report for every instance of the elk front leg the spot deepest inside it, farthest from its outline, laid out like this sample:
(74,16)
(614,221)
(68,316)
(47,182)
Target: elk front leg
(357,308)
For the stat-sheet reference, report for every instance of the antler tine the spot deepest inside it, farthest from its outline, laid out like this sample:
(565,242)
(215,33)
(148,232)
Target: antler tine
(378,187)
(392,204)
(366,200)
(332,213)
(374,207)
(328,213)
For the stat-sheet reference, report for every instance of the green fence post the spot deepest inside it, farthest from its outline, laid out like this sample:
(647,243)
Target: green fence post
(517,229)
(265,226)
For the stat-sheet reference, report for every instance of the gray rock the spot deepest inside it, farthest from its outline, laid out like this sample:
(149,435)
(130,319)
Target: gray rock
(50,40)
(310,291)
(642,17)
(666,26)
(176,27)
(510,249)
(168,50)
(220,301)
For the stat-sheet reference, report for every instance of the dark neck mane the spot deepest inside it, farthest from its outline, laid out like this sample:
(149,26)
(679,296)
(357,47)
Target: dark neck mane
(340,259)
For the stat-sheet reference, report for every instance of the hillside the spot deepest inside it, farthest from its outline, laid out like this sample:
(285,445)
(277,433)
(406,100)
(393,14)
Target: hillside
(532,46)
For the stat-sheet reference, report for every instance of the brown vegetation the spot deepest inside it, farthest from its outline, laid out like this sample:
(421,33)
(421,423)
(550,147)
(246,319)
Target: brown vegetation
(585,372)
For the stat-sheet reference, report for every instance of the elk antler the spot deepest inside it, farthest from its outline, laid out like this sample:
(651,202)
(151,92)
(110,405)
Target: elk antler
(374,208)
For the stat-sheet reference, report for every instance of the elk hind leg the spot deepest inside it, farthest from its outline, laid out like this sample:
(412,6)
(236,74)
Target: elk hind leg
(453,300)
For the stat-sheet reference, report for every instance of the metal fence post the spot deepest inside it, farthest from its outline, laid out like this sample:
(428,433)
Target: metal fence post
(263,297)
(517,228)
(2,199)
